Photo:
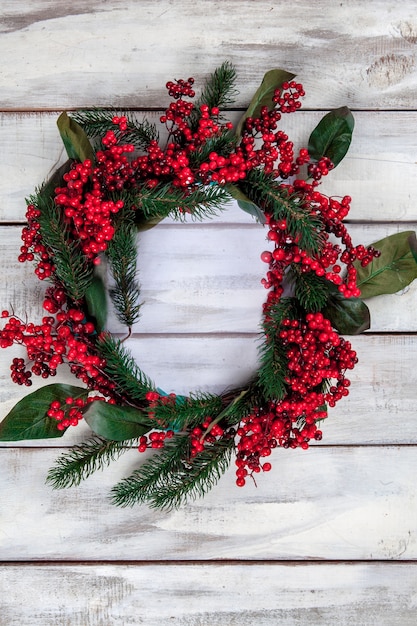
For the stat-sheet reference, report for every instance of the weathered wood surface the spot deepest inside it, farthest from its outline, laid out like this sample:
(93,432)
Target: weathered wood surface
(201,278)
(264,594)
(379,172)
(379,410)
(359,52)
(353,496)
(337,503)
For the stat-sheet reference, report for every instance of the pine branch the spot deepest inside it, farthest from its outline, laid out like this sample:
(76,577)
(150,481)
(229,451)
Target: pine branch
(273,361)
(96,122)
(71,265)
(189,412)
(169,479)
(220,90)
(122,369)
(311,290)
(122,255)
(266,192)
(223,144)
(82,460)
(163,200)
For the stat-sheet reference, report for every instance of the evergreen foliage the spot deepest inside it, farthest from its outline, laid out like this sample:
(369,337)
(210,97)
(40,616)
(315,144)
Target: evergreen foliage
(71,266)
(122,369)
(163,200)
(96,122)
(311,290)
(74,466)
(122,255)
(167,480)
(219,91)
(267,193)
(272,356)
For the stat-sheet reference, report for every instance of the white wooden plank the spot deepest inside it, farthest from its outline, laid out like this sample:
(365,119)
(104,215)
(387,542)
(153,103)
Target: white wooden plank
(380,171)
(330,503)
(200,279)
(265,594)
(61,55)
(379,409)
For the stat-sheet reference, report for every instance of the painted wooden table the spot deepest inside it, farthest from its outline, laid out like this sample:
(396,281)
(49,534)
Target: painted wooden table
(329,536)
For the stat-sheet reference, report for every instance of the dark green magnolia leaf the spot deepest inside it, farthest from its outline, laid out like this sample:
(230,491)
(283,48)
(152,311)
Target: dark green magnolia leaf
(332,136)
(263,96)
(115,422)
(56,179)
(350,316)
(393,270)
(245,203)
(75,139)
(95,297)
(28,419)
(142,223)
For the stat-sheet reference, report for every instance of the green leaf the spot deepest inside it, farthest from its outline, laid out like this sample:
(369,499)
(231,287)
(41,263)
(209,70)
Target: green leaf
(264,94)
(96,301)
(350,316)
(245,203)
(28,419)
(332,136)
(55,180)
(115,422)
(146,223)
(75,139)
(393,270)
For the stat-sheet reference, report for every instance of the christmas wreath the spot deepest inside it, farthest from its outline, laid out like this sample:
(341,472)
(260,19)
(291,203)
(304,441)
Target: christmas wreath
(120,177)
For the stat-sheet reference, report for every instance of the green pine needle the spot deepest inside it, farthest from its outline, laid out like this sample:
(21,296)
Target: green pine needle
(169,479)
(220,88)
(96,122)
(272,357)
(199,204)
(72,268)
(82,460)
(122,255)
(311,290)
(122,369)
(188,412)
(303,225)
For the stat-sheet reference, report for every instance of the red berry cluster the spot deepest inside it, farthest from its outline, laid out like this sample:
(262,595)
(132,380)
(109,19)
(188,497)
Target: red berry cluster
(71,411)
(330,259)
(315,354)
(204,435)
(33,246)
(64,337)
(90,211)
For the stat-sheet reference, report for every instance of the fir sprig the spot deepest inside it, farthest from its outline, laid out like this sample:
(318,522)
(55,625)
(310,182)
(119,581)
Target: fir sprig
(122,255)
(223,144)
(71,265)
(269,194)
(122,369)
(74,466)
(272,356)
(220,88)
(96,122)
(199,204)
(312,291)
(187,412)
(167,480)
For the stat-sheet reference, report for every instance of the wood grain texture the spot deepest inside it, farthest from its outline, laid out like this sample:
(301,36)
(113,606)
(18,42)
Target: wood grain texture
(350,498)
(380,408)
(265,594)
(200,278)
(379,172)
(361,53)
(338,503)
